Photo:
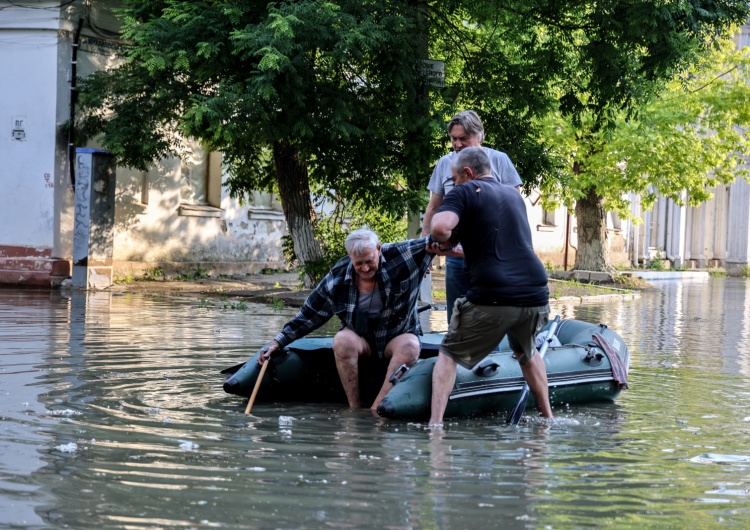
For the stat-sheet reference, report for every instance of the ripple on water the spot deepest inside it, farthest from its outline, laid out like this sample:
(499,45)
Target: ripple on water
(133,383)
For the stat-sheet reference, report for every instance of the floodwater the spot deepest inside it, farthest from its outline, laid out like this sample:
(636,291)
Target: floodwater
(112,415)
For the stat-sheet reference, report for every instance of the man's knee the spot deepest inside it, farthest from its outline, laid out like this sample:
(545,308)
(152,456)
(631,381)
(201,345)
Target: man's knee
(347,344)
(405,348)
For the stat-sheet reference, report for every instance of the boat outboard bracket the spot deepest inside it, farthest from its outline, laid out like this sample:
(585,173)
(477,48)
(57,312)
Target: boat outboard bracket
(593,356)
(486,368)
(398,374)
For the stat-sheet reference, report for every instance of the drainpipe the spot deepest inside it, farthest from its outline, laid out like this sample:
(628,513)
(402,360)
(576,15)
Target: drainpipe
(567,239)
(668,230)
(647,237)
(73,101)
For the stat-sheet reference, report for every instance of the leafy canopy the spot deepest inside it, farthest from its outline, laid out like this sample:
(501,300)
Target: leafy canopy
(341,81)
(684,141)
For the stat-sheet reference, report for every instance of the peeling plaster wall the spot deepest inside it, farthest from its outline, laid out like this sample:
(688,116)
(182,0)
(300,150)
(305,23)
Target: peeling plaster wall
(156,227)
(549,239)
(158,230)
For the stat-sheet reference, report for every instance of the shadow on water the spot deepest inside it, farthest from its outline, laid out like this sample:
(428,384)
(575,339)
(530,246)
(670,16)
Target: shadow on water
(113,416)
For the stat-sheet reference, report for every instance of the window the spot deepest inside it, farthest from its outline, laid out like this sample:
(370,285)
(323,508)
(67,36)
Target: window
(616,222)
(548,217)
(742,38)
(200,181)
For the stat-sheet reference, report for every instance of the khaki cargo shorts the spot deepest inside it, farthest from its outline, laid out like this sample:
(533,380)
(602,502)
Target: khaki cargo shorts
(476,330)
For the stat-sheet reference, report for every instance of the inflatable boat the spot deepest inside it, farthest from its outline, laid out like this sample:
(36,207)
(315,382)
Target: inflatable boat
(306,372)
(587,363)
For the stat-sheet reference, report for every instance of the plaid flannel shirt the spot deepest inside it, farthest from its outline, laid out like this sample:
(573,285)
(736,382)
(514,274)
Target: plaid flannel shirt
(402,267)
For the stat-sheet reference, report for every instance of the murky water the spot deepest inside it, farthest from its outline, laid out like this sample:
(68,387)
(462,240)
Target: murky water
(112,415)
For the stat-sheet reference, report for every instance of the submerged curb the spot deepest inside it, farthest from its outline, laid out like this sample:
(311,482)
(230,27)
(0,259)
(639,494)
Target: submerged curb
(283,288)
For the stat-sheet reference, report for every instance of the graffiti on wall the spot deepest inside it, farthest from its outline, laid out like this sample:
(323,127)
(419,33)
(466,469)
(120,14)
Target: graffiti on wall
(82,220)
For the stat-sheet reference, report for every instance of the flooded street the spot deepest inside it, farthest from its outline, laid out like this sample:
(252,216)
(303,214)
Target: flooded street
(112,415)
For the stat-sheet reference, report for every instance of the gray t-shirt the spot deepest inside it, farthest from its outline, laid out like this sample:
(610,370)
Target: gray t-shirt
(441,181)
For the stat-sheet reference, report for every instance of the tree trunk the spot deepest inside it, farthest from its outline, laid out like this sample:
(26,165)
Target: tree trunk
(294,191)
(593,247)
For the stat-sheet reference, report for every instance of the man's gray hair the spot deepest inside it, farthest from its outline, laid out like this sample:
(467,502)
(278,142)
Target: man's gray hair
(469,120)
(473,157)
(360,240)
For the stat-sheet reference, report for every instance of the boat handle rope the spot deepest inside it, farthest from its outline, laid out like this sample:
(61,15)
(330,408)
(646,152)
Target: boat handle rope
(398,374)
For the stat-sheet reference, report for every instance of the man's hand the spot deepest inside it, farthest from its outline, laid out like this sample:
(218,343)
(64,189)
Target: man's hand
(445,249)
(269,350)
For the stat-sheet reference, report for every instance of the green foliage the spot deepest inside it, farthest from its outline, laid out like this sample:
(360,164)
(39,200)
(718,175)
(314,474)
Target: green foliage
(239,305)
(331,230)
(334,93)
(197,274)
(224,303)
(682,143)
(346,76)
(630,281)
(153,273)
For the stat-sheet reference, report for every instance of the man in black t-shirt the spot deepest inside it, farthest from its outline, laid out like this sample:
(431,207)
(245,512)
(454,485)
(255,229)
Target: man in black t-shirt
(508,292)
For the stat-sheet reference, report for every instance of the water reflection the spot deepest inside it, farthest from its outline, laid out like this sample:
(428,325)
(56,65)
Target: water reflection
(113,416)
(25,344)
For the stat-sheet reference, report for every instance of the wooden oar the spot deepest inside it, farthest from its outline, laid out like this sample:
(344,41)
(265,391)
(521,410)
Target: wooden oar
(257,386)
(515,415)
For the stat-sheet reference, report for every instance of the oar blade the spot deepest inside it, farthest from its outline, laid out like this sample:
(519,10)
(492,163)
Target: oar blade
(517,413)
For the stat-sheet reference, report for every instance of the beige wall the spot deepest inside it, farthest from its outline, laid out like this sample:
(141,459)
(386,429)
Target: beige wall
(159,225)
(549,229)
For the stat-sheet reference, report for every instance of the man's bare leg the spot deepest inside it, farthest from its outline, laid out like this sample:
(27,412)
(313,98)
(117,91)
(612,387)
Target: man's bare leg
(347,349)
(535,374)
(403,349)
(443,379)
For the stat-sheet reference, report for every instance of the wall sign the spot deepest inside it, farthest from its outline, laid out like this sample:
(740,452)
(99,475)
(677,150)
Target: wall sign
(435,71)
(18,131)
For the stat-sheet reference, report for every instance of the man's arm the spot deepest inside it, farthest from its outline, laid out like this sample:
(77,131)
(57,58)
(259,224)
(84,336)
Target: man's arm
(435,202)
(313,314)
(316,311)
(442,226)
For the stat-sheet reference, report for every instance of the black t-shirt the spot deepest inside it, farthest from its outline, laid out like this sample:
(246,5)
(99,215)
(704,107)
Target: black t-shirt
(494,231)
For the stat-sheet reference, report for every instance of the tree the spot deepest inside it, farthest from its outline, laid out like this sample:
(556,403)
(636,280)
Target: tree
(292,93)
(328,97)
(683,142)
(633,51)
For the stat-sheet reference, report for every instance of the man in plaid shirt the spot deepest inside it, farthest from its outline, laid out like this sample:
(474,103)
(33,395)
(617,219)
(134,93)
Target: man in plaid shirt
(374,293)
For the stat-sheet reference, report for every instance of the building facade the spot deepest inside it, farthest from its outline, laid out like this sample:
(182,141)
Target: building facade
(175,218)
(178,218)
